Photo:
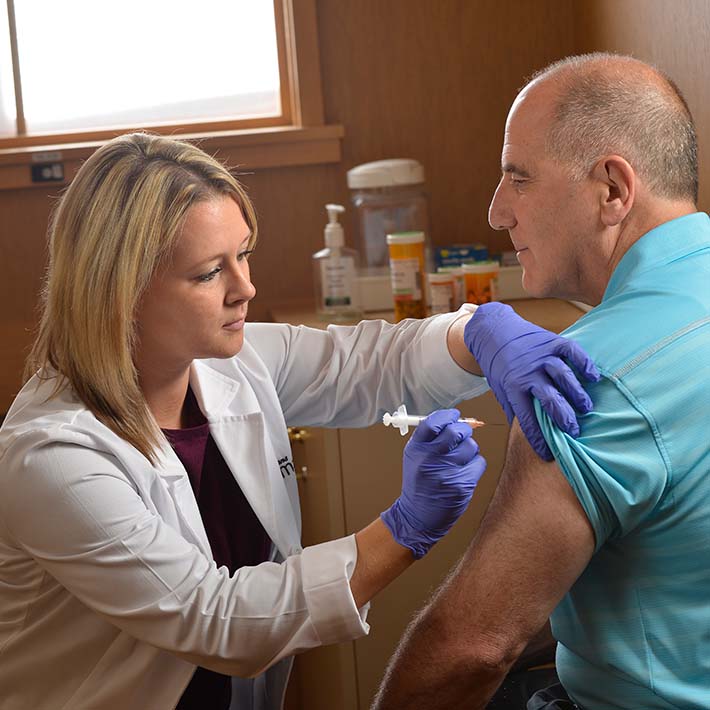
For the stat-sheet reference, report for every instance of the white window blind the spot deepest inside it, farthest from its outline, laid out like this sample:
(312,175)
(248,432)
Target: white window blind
(94,64)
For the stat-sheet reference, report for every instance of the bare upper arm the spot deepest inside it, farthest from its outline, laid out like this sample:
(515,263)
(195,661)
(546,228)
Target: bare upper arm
(534,542)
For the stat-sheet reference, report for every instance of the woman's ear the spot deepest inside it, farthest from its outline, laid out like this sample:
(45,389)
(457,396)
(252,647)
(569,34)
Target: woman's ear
(619,188)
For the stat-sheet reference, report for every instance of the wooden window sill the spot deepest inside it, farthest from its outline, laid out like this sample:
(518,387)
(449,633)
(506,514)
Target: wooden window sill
(243,150)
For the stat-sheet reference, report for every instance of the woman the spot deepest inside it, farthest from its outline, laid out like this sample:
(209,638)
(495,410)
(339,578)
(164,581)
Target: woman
(145,525)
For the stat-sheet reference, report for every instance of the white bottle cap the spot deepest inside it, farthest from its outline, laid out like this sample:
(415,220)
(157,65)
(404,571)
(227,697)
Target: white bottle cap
(481,267)
(405,238)
(334,234)
(386,173)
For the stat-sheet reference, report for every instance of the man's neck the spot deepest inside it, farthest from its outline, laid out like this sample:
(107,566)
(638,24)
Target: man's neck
(639,223)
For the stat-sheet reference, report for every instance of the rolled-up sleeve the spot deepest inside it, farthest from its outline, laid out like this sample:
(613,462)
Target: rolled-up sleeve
(615,467)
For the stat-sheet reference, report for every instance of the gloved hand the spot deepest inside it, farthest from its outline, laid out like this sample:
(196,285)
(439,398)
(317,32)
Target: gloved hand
(441,467)
(522,361)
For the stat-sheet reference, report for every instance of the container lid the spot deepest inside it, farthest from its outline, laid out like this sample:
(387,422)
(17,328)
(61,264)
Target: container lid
(440,278)
(481,267)
(405,238)
(386,173)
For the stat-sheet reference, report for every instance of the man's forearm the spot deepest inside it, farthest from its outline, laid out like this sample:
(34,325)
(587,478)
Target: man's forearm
(434,670)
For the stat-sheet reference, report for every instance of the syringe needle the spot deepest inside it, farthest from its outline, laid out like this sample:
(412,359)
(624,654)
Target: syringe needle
(473,423)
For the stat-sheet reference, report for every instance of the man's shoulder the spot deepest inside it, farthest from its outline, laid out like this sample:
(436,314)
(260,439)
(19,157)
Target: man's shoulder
(637,322)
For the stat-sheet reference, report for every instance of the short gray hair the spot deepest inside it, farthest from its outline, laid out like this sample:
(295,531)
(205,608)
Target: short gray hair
(609,104)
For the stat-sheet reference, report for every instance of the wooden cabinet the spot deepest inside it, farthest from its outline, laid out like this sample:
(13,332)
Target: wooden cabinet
(347,477)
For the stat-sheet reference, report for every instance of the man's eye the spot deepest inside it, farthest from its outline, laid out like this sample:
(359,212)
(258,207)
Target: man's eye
(210,275)
(516,181)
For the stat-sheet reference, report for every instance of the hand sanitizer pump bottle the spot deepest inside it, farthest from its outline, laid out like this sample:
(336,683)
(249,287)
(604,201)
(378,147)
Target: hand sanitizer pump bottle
(335,271)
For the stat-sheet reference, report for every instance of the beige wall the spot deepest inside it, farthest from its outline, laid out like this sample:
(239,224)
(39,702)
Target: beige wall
(425,79)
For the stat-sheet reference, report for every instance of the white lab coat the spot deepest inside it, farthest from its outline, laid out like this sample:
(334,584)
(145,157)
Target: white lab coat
(109,596)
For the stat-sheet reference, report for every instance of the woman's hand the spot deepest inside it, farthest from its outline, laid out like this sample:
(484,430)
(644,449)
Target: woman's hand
(522,361)
(441,468)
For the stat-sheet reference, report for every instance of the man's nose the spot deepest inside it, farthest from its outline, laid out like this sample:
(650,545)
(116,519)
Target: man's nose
(500,215)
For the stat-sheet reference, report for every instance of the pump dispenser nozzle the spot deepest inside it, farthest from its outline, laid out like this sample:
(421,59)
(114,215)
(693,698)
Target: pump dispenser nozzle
(334,235)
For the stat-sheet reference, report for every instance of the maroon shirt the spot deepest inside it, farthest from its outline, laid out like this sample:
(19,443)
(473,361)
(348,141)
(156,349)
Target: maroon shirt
(235,534)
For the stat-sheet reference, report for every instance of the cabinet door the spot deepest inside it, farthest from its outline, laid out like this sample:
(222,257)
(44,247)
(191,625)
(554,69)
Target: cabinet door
(323,678)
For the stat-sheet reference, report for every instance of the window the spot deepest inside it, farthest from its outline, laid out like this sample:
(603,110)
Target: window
(82,65)
(241,76)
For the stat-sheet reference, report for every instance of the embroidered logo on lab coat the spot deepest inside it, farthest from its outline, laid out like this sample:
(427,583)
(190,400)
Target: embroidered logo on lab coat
(287,467)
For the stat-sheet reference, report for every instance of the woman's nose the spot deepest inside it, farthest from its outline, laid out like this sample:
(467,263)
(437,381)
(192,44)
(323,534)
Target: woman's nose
(240,286)
(500,215)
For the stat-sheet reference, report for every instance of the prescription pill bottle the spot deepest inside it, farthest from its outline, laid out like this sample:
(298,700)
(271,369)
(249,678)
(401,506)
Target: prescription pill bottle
(441,292)
(459,283)
(406,257)
(479,280)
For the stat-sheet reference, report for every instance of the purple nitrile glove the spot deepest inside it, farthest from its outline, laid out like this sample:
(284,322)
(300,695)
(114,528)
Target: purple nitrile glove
(521,361)
(441,467)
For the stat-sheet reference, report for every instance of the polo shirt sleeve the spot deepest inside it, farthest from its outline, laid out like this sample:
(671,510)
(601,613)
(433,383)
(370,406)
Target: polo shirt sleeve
(614,467)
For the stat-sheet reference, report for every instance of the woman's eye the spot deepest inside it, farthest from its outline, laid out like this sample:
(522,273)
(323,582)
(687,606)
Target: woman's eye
(244,254)
(210,275)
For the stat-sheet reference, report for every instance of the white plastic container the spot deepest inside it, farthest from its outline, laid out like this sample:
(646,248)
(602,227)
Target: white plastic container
(389,196)
(334,273)
(442,289)
(459,283)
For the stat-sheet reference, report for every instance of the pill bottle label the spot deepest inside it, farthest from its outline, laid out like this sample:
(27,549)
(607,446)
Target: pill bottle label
(406,279)
(442,298)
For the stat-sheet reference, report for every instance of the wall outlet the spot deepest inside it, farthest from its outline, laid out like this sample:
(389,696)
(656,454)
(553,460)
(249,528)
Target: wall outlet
(48,172)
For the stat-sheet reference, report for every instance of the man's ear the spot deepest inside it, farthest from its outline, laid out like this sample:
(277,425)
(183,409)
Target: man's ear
(618,181)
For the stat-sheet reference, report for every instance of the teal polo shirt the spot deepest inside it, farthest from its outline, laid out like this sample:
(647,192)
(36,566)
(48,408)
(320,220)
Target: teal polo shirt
(634,630)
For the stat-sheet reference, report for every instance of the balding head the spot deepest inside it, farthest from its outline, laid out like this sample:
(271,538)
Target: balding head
(608,104)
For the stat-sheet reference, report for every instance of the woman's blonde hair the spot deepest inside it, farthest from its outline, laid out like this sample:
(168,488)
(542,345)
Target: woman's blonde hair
(118,221)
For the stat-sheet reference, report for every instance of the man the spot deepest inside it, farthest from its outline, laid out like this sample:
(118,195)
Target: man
(611,539)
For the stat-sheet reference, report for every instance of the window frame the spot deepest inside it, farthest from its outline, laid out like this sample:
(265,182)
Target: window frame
(299,136)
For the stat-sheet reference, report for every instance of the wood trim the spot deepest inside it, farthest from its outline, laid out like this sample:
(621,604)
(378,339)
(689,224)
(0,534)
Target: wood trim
(19,104)
(245,150)
(287,87)
(43,140)
(304,61)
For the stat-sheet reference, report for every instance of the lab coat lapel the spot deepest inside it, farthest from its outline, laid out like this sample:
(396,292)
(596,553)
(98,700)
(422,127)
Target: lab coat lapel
(249,455)
(168,493)
(177,481)
(238,427)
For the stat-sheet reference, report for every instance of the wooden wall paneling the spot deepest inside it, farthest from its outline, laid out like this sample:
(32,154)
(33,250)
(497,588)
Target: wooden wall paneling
(24,215)
(290,205)
(434,81)
(675,36)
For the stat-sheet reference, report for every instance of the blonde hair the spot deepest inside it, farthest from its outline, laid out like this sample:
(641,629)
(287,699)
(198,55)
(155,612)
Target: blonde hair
(118,221)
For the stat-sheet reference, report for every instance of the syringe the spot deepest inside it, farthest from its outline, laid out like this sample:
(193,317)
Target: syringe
(403,421)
